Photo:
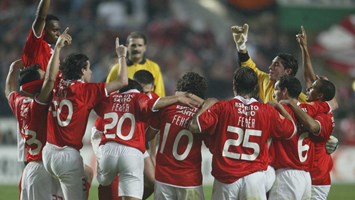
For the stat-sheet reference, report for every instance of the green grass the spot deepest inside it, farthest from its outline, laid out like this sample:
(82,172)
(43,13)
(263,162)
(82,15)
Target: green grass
(337,192)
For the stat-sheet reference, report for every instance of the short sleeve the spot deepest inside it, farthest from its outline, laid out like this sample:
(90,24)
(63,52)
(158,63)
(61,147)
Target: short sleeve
(326,122)
(207,121)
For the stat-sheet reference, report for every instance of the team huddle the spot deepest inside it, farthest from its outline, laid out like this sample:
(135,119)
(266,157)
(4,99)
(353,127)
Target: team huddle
(270,141)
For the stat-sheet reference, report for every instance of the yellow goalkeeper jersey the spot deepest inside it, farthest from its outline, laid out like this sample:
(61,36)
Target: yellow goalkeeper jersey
(146,64)
(266,86)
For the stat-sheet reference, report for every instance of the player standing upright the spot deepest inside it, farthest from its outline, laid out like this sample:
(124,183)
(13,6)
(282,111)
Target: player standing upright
(178,161)
(239,130)
(31,113)
(73,99)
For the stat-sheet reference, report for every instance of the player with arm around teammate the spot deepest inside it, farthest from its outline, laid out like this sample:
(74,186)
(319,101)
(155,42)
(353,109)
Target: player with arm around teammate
(239,129)
(178,162)
(31,113)
(72,100)
(122,145)
(320,128)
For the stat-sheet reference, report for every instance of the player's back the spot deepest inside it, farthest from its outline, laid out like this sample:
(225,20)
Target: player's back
(240,129)
(32,119)
(298,152)
(124,115)
(69,111)
(179,154)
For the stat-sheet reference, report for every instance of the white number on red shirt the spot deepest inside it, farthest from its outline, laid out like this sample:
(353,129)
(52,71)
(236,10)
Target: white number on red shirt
(181,133)
(243,139)
(58,109)
(302,148)
(114,117)
(32,141)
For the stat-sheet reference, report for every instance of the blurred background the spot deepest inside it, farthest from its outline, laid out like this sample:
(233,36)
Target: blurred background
(195,35)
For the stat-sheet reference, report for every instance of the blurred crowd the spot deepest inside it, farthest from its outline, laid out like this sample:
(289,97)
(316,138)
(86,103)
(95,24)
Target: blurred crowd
(176,45)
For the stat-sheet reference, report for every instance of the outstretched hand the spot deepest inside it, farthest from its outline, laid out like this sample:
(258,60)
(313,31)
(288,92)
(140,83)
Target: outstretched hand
(240,36)
(302,37)
(64,39)
(121,50)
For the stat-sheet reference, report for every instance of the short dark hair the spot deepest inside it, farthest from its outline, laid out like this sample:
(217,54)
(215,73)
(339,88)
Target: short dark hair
(194,83)
(289,62)
(136,35)
(327,88)
(292,84)
(132,84)
(143,77)
(29,74)
(72,66)
(245,81)
(50,18)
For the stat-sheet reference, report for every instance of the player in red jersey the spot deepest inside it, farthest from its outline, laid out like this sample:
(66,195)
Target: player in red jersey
(31,113)
(239,129)
(44,32)
(146,80)
(292,158)
(178,161)
(122,145)
(320,129)
(72,100)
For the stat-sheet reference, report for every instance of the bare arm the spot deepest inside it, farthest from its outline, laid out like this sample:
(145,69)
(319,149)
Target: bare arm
(11,79)
(41,14)
(150,133)
(308,122)
(122,79)
(279,107)
(181,97)
(309,75)
(207,104)
(53,67)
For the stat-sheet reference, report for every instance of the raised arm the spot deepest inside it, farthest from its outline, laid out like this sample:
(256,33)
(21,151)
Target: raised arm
(122,78)
(11,79)
(309,75)
(240,36)
(53,67)
(41,14)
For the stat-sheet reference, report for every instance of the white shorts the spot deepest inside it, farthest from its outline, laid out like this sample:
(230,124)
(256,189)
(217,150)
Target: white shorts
(291,184)
(113,159)
(320,192)
(270,178)
(37,183)
(171,192)
(66,164)
(251,186)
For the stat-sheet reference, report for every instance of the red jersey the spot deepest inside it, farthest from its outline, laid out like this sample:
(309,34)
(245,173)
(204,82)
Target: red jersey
(124,115)
(32,117)
(69,111)
(323,162)
(179,154)
(240,129)
(298,152)
(36,51)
